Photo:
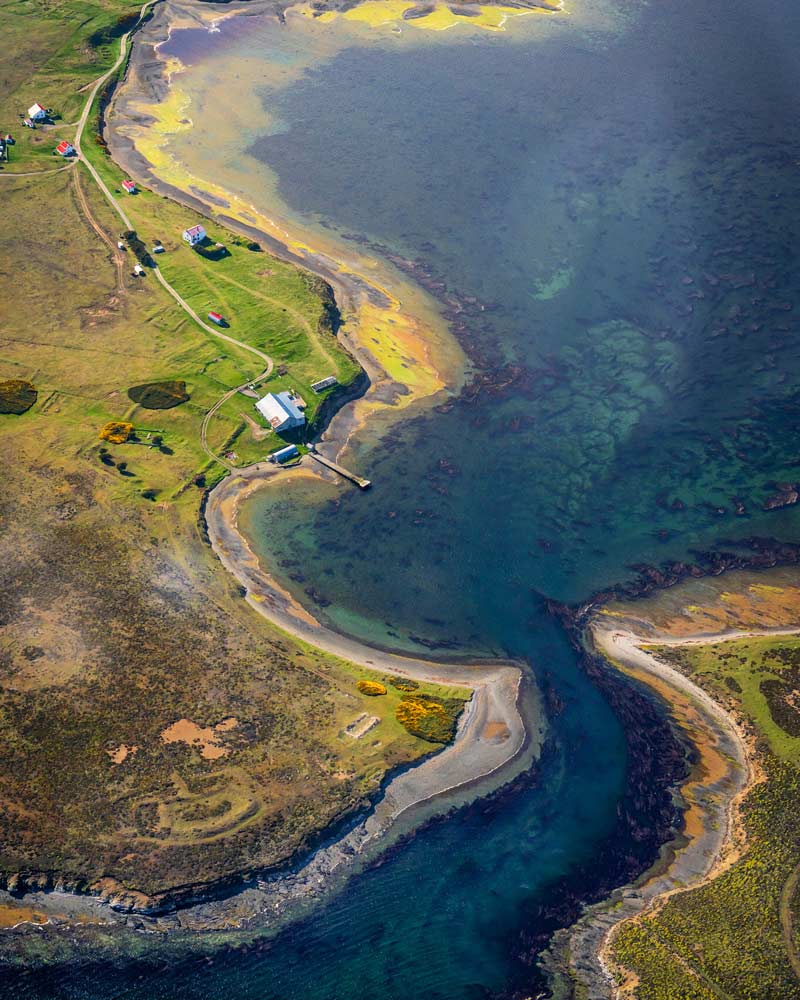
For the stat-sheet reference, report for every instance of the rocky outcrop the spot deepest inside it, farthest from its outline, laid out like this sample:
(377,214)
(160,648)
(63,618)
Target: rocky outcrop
(785,495)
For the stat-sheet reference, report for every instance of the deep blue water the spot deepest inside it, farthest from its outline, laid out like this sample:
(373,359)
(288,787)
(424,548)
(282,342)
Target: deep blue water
(652,175)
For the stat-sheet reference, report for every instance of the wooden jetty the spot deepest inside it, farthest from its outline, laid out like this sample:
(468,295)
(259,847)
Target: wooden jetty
(362,484)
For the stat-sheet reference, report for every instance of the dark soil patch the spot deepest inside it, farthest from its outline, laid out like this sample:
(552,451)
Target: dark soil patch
(782,699)
(16,396)
(159,395)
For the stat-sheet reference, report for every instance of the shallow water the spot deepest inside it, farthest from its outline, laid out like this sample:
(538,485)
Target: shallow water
(617,214)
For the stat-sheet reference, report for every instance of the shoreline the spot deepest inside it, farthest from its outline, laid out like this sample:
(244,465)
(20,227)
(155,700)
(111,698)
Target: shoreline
(496,695)
(711,836)
(499,735)
(391,325)
(496,683)
(500,688)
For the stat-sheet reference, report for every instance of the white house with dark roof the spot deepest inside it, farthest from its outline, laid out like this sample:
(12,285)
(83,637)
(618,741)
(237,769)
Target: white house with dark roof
(282,411)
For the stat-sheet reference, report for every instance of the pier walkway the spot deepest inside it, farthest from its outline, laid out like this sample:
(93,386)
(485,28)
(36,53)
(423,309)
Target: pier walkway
(362,484)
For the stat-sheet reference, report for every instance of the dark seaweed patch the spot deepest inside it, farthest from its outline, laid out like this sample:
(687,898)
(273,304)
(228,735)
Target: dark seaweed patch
(16,396)
(783,700)
(159,395)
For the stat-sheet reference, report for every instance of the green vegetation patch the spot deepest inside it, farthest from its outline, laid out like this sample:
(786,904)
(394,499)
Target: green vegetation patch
(159,395)
(429,717)
(404,683)
(762,675)
(17,395)
(783,698)
(726,938)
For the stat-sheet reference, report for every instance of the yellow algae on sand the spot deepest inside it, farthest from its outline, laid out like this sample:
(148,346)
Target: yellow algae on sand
(379,12)
(397,343)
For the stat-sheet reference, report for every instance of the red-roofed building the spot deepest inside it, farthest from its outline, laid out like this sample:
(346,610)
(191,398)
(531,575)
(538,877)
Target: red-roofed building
(216,318)
(129,186)
(194,235)
(65,148)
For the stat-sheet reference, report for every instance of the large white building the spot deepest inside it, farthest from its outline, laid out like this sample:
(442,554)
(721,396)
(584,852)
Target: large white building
(282,411)
(37,113)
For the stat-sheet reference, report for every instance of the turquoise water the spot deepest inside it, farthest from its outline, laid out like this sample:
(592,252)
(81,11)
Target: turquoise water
(653,180)
(617,214)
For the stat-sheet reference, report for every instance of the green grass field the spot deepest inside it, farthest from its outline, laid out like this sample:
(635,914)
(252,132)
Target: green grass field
(740,669)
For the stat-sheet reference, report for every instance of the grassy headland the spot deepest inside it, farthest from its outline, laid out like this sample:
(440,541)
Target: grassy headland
(158,735)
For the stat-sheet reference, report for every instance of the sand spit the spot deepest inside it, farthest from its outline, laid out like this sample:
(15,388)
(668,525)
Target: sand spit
(499,734)
(477,752)
(712,839)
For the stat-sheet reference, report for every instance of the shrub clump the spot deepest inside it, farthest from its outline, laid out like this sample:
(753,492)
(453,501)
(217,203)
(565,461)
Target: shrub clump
(140,251)
(159,395)
(16,395)
(371,688)
(116,431)
(404,683)
(429,717)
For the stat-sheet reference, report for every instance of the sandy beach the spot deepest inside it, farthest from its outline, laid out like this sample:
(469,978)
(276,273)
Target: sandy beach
(492,732)
(712,837)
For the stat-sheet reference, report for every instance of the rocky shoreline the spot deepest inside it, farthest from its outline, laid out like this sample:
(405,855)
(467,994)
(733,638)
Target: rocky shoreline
(717,769)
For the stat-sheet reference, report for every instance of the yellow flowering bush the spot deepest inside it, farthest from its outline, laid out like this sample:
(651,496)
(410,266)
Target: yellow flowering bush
(428,717)
(371,688)
(116,431)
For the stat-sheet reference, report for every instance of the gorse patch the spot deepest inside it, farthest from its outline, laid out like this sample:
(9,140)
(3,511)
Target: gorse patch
(371,688)
(116,431)
(404,683)
(17,395)
(429,717)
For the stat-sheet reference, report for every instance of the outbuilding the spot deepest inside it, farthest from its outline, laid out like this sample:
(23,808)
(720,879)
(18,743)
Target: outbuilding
(194,235)
(284,454)
(129,186)
(37,113)
(216,318)
(281,411)
(324,383)
(65,148)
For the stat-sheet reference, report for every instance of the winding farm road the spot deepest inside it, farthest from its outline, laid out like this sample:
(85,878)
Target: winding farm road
(184,305)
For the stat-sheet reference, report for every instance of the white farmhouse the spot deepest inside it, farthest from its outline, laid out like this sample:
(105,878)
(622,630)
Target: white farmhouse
(194,235)
(281,411)
(37,113)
